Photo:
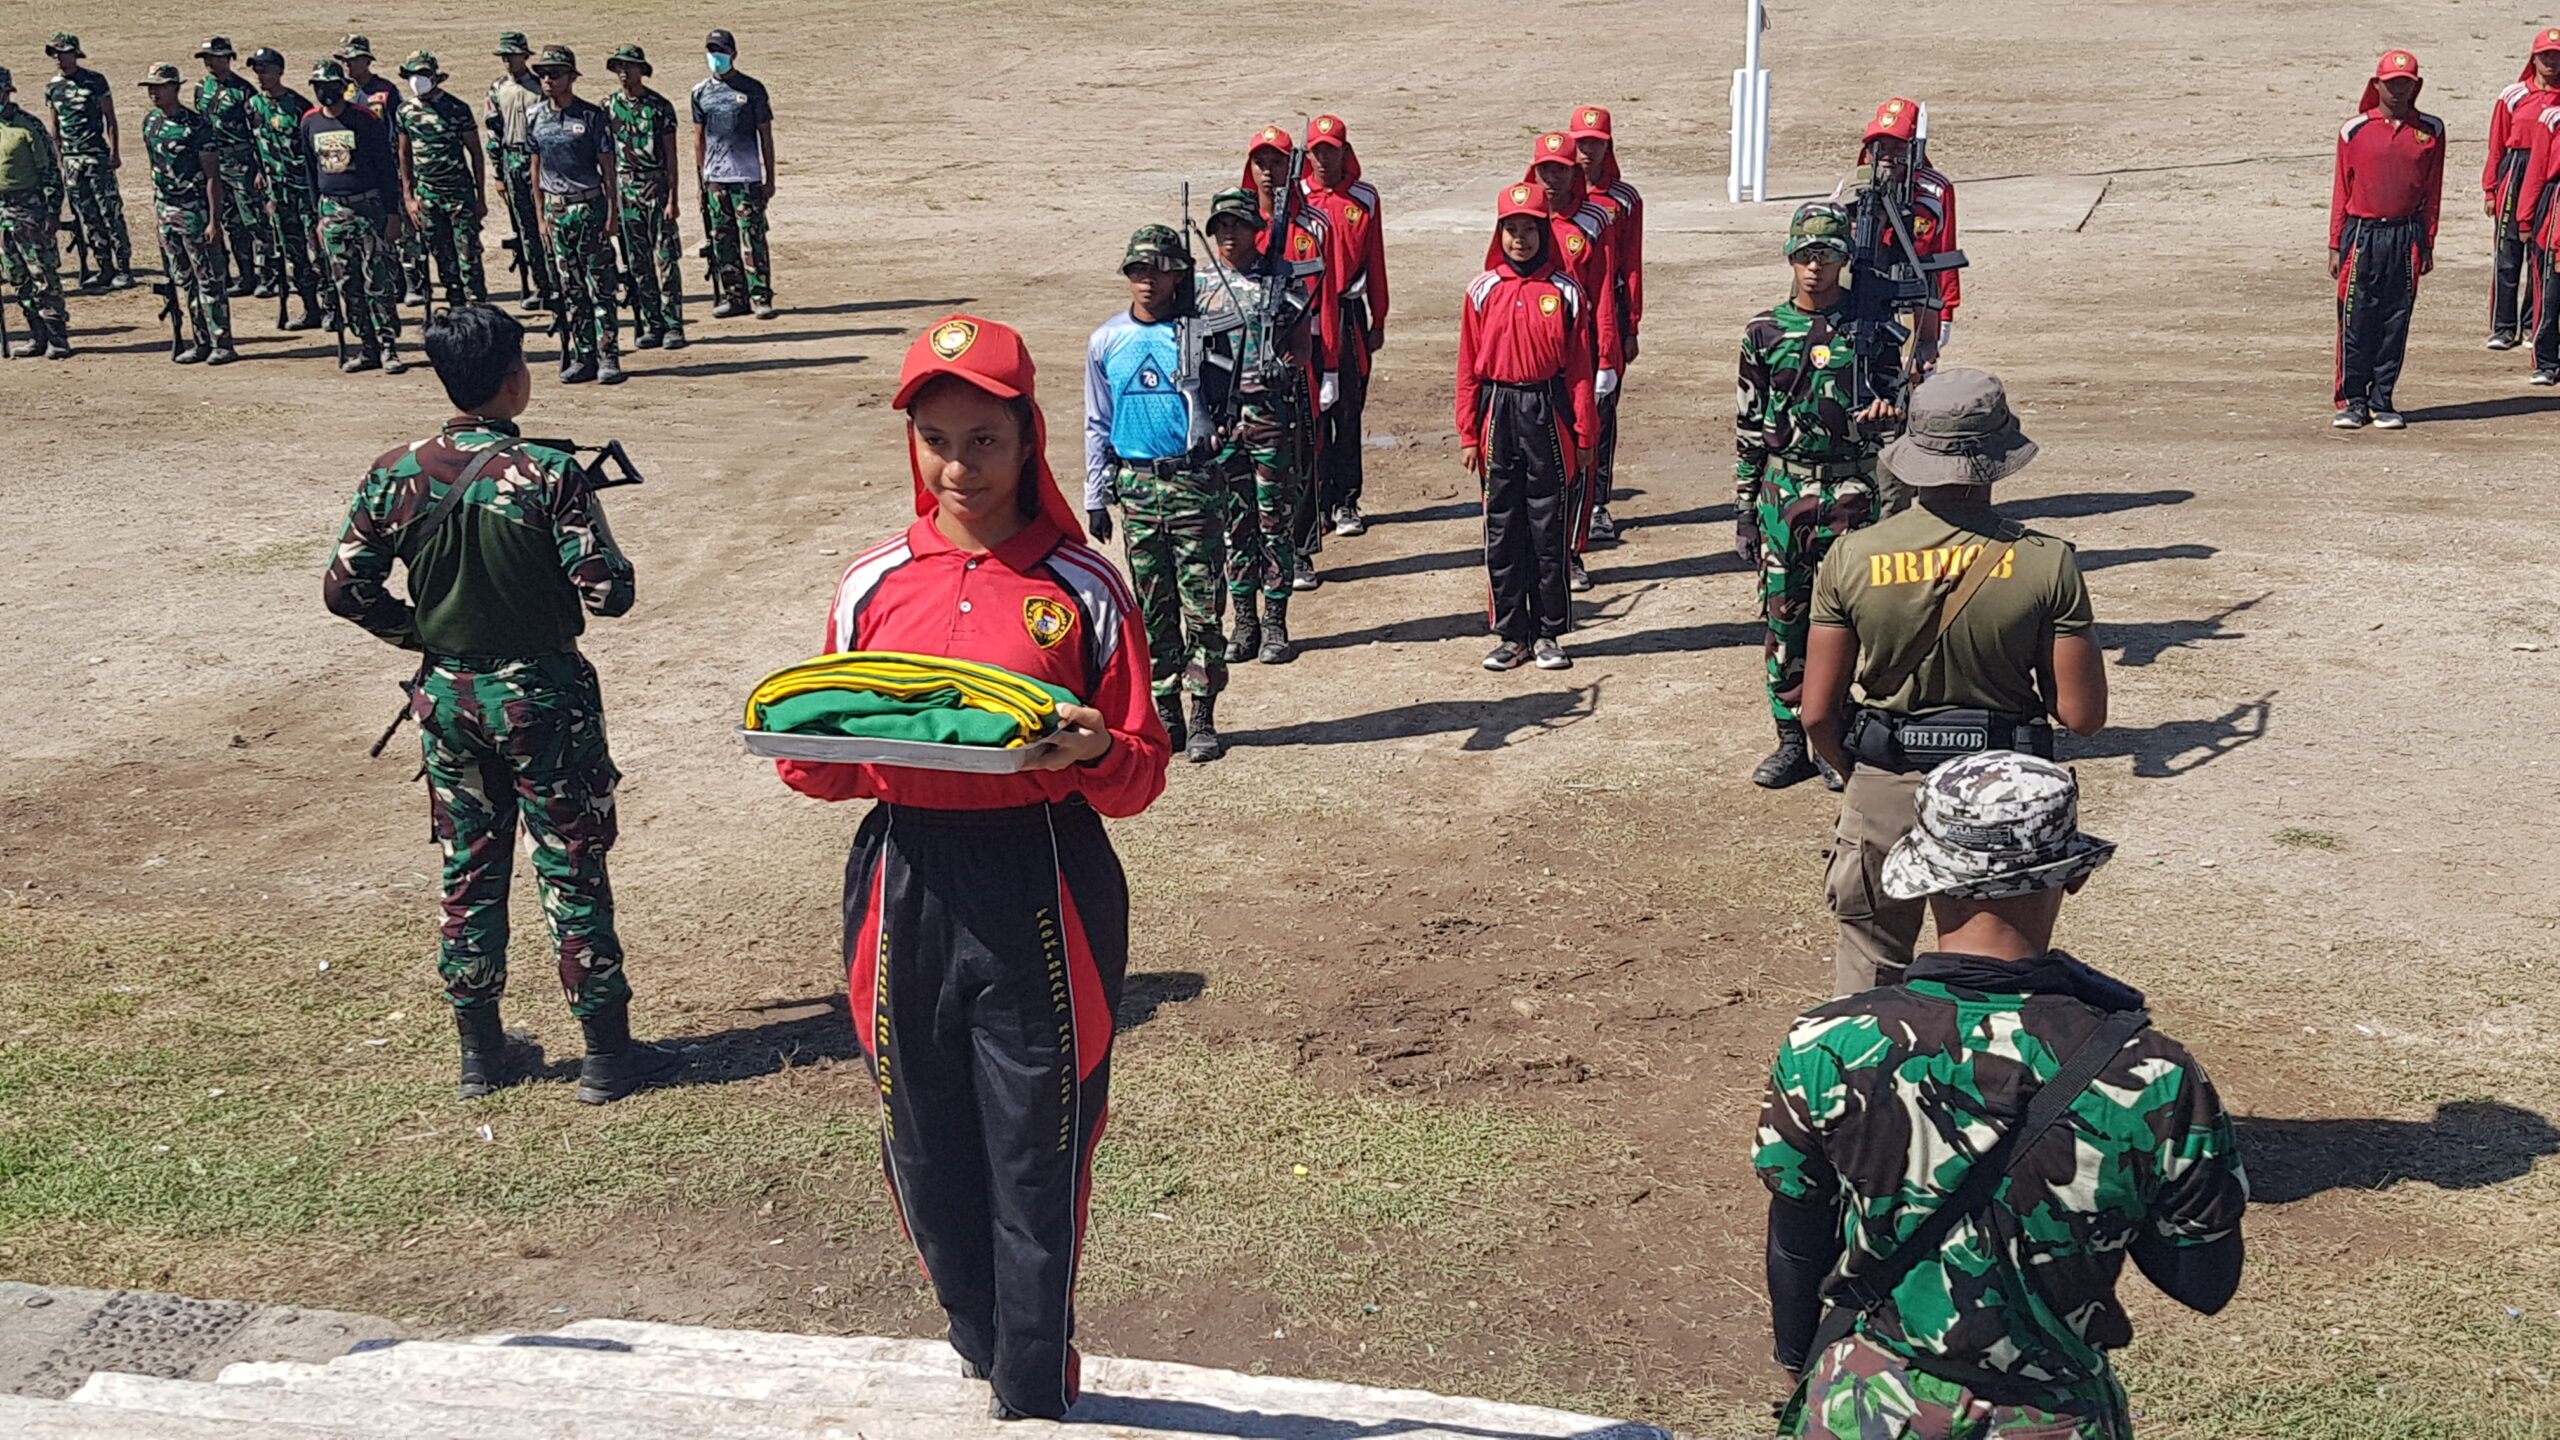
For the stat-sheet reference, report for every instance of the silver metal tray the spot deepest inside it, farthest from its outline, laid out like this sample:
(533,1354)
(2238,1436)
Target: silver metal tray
(861,750)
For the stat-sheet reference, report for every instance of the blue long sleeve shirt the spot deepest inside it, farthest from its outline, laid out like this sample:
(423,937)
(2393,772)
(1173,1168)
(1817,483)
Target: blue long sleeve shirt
(1136,405)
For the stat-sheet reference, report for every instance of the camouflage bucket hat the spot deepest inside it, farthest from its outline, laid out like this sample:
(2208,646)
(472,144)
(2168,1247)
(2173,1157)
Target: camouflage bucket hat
(1818,225)
(512,42)
(421,62)
(1961,432)
(1158,247)
(163,73)
(6,83)
(1994,825)
(64,43)
(631,55)
(557,57)
(1236,204)
(355,47)
(219,46)
(329,72)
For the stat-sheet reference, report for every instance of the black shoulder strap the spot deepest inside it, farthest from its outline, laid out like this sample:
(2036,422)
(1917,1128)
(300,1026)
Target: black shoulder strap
(451,499)
(1869,1290)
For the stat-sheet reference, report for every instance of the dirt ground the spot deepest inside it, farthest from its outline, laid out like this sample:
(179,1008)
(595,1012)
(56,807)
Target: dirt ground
(1549,907)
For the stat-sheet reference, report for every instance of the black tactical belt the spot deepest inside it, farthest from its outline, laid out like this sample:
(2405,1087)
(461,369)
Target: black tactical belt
(1911,744)
(1542,387)
(588,196)
(1831,470)
(1172,467)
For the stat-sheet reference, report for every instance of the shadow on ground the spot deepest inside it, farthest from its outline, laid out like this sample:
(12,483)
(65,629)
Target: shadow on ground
(1492,724)
(2468,1145)
(2175,747)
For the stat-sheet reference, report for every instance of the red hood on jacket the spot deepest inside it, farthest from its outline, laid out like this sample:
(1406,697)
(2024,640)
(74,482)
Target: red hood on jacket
(992,357)
(2396,63)
(1591,122)
(2547,40)
(1269,137)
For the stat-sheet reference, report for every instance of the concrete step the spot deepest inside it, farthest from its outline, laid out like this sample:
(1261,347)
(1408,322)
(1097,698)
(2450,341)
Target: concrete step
(483,1410)
(22,1418)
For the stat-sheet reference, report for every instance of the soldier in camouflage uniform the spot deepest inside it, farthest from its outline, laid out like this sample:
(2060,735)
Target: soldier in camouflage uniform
(292,209)
(30,201)
(354,172)
(512,99)
(186,185)
(644,160)
(87,142)
(440,167)
(222,98)
(1147,448)
(510,715)
(1881,1103)
(1254,384)
(574,173)
(1806,475)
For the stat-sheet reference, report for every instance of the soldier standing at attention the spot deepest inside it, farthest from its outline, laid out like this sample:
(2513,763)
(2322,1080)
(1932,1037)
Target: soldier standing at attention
(222,98)
(186,185)
(275,113)
(440,169)
(1964,631)
(573,170)
(2504,198)
(1958,1167)
(1805,474)
(91,150)
(1247,369)
(1890,139)
(733,162)
(508,116)
(1267,173)
(644,158)
(383,98)
(2382,236)
(1595,148)
(30,201)
(347,150)
(1146,448)
(1350,206)
(504,545)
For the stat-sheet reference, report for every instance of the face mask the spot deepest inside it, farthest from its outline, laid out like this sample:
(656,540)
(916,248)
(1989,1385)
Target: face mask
(421,84)
(720,63)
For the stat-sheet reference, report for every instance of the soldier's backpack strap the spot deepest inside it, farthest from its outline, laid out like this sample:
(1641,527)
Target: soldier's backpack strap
(451,499)
(1862,1294)
(1975,576)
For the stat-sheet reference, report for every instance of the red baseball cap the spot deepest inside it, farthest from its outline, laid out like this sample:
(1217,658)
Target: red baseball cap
(2548,40)
(985,353)
(1554,147)
(1272,137)
(1523,199)
(1896,117)
(2396,63)
(1329,130)
(1588,123)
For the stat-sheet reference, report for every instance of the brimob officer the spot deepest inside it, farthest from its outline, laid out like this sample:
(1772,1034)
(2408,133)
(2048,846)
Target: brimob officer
(91,149)
(1965,631)
(293,210)
(30,201)
(186,183)
(513,97)
(573,171)
(2382,236)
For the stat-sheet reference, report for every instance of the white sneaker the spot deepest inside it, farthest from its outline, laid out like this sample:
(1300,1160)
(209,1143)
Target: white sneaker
(2389,420)
(1551,656)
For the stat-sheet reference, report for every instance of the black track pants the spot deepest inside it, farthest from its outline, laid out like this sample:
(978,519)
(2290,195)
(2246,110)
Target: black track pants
(984,953)
(1527,510)
(2377,291)
(1340,469)
(2508,248)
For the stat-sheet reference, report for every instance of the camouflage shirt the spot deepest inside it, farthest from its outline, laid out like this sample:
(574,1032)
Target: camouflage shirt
(1880,1101)
(224,104)
(1235,344)
(1793,399)
(279,130)
(440,131)
(177,144)
(79,102)
(504,576)
(637,124)
(40,153)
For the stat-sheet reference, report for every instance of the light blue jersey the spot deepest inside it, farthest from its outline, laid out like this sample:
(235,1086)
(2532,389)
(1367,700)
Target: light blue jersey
(1135,405)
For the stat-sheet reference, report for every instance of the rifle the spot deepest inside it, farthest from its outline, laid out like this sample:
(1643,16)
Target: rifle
(284,267)
(170,309)
(1888,278)
(79,244)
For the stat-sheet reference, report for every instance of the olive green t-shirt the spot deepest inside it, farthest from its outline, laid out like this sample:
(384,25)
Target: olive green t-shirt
(1886,582)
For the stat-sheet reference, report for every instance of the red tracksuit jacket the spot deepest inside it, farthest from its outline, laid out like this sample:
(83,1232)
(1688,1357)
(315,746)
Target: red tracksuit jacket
(1526,329)
(1582,239)
(1359,253)
(2389,171)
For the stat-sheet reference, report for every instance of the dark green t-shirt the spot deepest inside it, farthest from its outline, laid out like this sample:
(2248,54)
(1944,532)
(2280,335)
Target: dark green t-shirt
(1885,582)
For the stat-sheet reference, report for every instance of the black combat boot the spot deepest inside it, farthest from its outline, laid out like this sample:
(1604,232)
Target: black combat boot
(616,1065)
(57,340)
(1202,743)
(484,1051)
(609,370)
(1276,649)
(1169,710)
(1246,641)
(309,319)
(1832,780)
(1790,764)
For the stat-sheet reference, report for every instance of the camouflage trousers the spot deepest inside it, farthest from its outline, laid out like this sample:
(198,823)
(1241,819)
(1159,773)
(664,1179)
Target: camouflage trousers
(1857,1391)
(191,255)
(589,323)
(28,257)
(524,213)
(733,221)
(364,275)
(1174,526)
(653,256)
(1802,510)
(1257,466)
(244,209)
(97,207)
(510,738)
(452,244)
(291,262)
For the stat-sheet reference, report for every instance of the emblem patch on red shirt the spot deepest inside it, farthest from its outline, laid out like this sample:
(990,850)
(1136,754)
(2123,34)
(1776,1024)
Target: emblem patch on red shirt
(1547,304)
(1575,244)
(1049,622)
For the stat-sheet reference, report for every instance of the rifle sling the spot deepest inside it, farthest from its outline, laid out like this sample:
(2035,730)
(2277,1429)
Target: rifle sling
(1863,1294)
(1975,576)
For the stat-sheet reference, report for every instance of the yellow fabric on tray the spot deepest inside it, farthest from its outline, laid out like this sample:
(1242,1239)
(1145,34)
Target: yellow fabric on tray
(890,695)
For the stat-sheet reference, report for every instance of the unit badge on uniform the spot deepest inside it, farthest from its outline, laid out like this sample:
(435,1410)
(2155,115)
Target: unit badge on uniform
(1302,246)
(1575,244)
(1547,304)
(1821,357)
(1354,214)
(952,340)
(1048,621)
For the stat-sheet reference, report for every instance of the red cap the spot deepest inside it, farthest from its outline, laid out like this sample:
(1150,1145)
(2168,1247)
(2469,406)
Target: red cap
(1522,199)
(1589,122)
(990,356)
(2396,63)
(1896,117)
(2548,40)
(1272,137)
(1328,130)
(1555,146)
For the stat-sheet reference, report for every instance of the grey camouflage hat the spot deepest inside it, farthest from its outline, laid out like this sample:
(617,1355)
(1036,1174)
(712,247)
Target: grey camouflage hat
(1158,247)
(1960,432)
(1818,225)
(1993,825)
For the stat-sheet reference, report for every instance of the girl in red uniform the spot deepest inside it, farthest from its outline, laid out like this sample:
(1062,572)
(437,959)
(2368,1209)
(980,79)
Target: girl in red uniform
(986,920)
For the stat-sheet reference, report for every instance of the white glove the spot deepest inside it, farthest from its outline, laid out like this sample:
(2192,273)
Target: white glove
(1605,383)
(1329,390)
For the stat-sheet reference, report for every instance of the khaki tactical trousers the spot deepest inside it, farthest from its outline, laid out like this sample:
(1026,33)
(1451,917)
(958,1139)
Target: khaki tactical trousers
(1877,932)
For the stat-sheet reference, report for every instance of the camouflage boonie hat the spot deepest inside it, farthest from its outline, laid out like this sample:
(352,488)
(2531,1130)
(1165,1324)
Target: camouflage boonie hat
(64,43)
(355,47)
(631,55)
(1994,825)
(557,57)
(6,84)
(1818,224)
(421,62)
(219,46)
(1237,204)
(163,73)
(1158,247)
(512,42)
(329,72)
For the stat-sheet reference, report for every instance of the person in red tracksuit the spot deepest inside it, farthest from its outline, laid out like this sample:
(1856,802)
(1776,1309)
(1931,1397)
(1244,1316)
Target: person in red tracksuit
(1889,141)
(2539,220)
(1350,206)
(1597,151)
(2502,186)
(1526,419)
(986,919)
(1266,170)
(1586,249)
(2382,236)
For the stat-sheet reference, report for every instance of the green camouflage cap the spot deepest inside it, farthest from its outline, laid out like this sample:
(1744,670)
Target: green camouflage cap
(163,73)
(1158,247)
(631,55)
(64,43)
(1992,825)
(355,47)
(6,84)
(1237,204)
(422,62)
(329,72)
(512,42)
(1818,224)
(557,57)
